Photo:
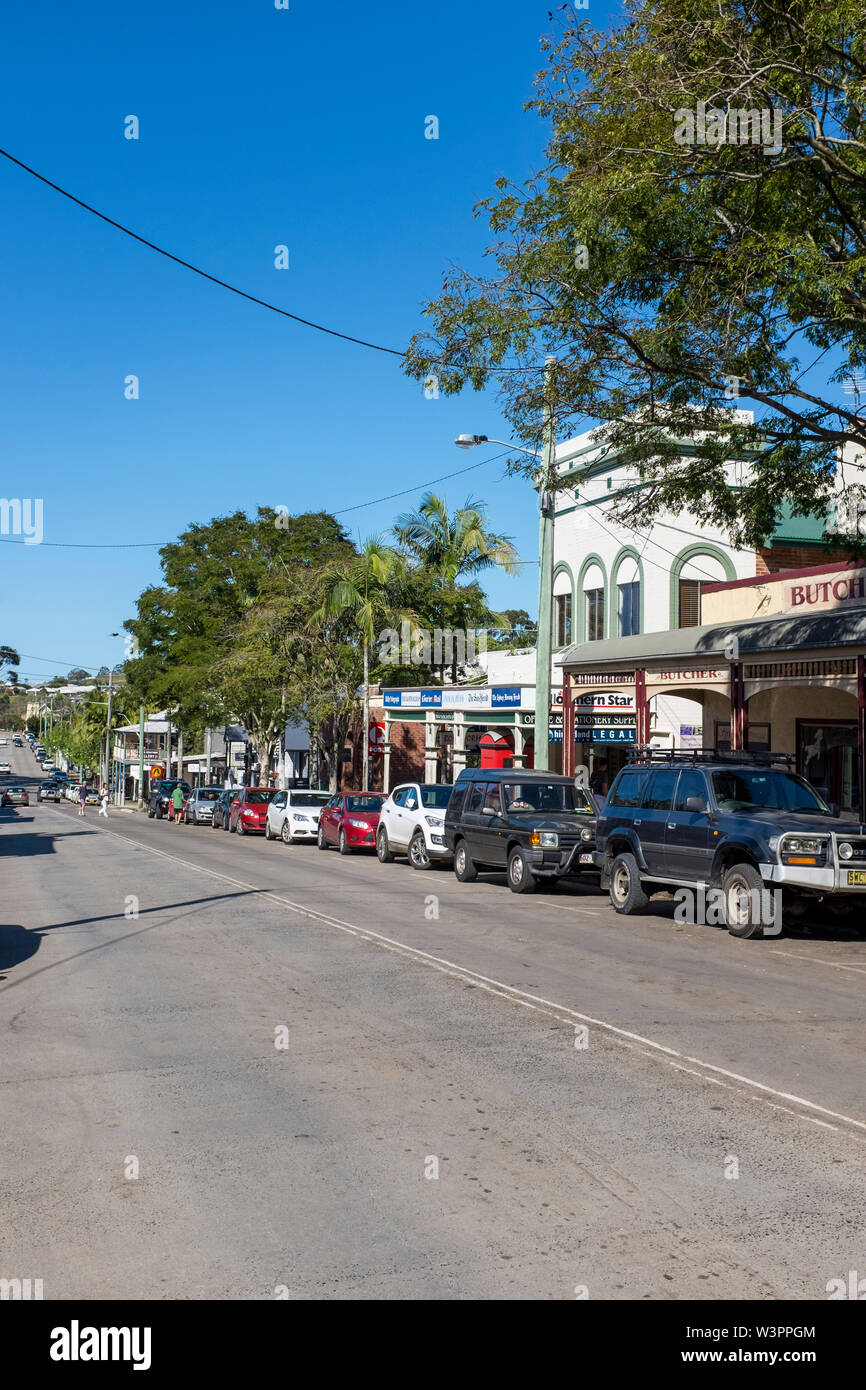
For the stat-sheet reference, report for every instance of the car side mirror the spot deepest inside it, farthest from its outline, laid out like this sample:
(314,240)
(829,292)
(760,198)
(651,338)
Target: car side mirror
(834,808)
(489,811)
(695,803)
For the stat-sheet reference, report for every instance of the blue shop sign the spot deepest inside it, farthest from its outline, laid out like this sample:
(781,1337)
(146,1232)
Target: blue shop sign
(505,697)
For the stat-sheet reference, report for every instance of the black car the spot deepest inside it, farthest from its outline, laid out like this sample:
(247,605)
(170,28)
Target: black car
(735,825)
(159,795)
(537,826)
(222,807)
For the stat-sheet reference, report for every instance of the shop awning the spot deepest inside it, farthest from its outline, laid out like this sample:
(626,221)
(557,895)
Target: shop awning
(754,637)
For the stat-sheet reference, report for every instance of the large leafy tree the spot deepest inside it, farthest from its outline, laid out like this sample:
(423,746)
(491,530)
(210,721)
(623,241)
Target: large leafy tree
(195,652)
(669,270)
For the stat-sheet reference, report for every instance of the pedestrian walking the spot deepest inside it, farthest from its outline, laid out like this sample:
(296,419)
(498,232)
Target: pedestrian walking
(82,798)
(103,803)
(598,782)
(177,803)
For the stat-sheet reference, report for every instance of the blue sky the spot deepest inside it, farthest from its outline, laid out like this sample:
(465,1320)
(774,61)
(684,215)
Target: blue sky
(258,127)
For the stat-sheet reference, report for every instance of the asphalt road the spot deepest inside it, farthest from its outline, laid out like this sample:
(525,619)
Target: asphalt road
(434,1126)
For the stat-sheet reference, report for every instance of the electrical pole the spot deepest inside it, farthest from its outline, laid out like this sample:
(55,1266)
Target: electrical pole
(141,757)
(544,644)
(107,774)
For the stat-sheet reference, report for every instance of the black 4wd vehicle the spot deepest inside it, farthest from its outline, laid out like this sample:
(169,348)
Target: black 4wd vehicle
(537,826)
(159,795)
(741,825)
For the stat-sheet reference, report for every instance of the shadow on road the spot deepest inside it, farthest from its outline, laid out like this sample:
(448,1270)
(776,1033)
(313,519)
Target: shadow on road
(17,944)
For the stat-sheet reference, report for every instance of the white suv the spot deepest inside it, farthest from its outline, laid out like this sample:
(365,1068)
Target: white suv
(294,815)
(412,822)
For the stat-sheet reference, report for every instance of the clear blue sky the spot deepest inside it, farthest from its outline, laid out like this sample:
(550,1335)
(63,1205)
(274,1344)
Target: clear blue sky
(257,127)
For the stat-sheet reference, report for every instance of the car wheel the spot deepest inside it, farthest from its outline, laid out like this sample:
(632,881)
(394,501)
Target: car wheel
(626,893)
(418,855)
(286,833)
(151,813)
(227,824)
(345,847)
(521,879)
(159,812)
(743,894)
(320,839)
(383,850)
(239,827)
(464,869)
(268,835)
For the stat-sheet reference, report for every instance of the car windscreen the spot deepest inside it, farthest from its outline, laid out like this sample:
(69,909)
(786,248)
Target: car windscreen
(309,798)
(208,794)
(436,798)
(754,789)
(364,803)
(546,796)
(260,796)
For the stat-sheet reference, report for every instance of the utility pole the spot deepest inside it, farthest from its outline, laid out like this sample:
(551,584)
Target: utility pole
(544,643)
(107,774)
(141,757)
(208,740)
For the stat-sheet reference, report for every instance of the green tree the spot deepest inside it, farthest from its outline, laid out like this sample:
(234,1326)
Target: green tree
(445,549)
(667,270)
(366,590)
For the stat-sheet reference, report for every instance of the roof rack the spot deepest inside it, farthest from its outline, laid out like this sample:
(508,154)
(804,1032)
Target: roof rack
(675,756)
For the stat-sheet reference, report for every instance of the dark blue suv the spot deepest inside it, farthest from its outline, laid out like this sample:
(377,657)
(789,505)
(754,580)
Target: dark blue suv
(742,826)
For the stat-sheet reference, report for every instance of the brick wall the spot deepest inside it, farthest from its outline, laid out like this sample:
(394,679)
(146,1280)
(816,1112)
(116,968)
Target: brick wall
(771,558)
(407,756)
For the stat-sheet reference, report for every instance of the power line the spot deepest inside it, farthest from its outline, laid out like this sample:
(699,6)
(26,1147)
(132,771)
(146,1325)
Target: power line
(359,506)
(224,284)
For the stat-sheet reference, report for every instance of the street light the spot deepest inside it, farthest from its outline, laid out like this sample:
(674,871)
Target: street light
(543,643)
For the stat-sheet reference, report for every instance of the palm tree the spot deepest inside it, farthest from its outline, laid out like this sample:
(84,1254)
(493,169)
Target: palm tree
(363,589)
(449,548)
(453,546)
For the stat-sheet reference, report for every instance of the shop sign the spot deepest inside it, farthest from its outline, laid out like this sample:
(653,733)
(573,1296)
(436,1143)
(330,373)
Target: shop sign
(605,700)
(693,675)
(604,734)
(846,586)
(691,736)
(585,678)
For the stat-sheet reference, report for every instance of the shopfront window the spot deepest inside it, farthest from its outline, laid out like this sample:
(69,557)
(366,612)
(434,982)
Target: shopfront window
(827,758)
(594,599)
(629,609)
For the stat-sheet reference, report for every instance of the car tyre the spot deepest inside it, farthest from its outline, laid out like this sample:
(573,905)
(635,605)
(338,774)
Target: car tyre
(743,879)
(464,869)
(240,828)
(345,847)
(268,834)
(419,855)
(321,842)
(150,812)
(626,891)
(286,833)
(521,879)
(383,849)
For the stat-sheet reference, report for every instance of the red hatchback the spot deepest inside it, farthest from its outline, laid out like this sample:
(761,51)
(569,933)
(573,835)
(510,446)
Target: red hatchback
(248,812)
(350,820)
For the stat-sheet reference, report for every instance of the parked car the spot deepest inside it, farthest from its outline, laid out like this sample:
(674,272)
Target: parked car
(294,815)
(412,822)
(50,791)
(249,810)
(5,767)
(93,796)
(737,822)
(159,795)
(537,826)
(16,796)
(349,821)
(70,791)
(222,808)
(199,806)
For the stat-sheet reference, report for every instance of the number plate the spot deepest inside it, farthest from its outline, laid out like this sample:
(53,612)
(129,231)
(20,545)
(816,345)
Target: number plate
(587,859)
(857,878)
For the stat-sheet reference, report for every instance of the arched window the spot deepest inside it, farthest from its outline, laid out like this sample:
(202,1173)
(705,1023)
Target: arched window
(563,607)
(626,587)
(703,563)
(592,599)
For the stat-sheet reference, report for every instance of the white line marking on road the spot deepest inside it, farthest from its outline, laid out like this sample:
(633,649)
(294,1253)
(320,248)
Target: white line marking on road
(562,1012)
(818,960)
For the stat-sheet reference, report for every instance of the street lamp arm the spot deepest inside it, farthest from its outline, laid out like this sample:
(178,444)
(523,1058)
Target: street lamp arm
(469,441)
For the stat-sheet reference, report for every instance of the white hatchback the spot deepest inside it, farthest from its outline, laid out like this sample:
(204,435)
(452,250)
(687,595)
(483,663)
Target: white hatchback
(412,822)
(294,815)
